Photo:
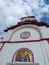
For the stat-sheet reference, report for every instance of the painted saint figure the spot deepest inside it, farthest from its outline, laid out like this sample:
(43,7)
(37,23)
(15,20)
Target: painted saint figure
(23,56)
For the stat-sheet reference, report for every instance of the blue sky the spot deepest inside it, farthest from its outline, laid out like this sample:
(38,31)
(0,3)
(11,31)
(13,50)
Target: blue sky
(12,10)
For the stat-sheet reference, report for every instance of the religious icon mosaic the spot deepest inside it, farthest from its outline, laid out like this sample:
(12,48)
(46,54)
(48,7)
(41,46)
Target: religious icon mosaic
(24,55)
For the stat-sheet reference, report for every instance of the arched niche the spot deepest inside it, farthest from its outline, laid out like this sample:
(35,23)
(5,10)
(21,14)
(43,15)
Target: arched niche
(23,55)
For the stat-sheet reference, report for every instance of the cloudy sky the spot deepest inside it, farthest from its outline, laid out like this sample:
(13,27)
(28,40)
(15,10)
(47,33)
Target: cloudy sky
(12,10)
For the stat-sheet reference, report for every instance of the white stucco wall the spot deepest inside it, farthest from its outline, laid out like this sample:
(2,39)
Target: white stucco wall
(38,48)
(9,49)
(45,31)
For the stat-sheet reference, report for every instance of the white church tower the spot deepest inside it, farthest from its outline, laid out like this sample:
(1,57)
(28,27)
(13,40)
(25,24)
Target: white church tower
(26,43)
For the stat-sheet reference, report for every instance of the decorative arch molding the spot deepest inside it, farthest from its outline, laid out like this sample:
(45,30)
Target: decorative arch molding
(33,27)
(27,26)
(2,46)
(31,56)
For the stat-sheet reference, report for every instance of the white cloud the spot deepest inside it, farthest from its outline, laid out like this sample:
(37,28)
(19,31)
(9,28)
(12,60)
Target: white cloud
(12,10)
